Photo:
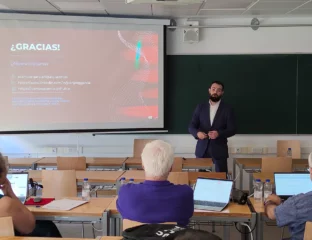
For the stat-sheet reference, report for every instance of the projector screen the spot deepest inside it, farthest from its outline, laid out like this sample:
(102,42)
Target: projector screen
(81,76)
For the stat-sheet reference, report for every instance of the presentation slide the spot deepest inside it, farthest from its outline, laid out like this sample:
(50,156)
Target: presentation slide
(62,78)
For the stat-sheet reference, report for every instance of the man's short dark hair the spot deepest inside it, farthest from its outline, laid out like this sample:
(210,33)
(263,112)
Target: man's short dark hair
(219,83)
(191,234)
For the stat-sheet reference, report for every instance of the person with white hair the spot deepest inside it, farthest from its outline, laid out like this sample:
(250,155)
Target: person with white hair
(294,212)
(156,200)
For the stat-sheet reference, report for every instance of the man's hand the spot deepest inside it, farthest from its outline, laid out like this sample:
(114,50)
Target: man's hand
(201,135)
(213,134)
(7,189)
(275,199)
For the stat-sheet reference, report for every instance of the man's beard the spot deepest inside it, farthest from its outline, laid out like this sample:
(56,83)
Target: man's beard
(215,98)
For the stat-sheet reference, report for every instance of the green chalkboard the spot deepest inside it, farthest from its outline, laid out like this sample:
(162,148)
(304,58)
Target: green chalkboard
(304,94)
(261,89)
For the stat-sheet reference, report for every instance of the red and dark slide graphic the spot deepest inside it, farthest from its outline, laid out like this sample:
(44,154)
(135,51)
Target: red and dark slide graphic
(78,78)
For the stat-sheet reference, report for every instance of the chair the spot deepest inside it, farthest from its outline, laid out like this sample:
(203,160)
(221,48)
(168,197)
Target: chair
(308,231)
(71,163)
(139,145)
(283,145)
(62,180)
(6,227)
(276,164)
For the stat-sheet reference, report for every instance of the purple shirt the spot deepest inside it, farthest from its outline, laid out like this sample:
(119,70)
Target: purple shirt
(156,202)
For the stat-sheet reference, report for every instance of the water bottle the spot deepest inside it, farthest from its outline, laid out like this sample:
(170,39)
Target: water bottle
(131,180)
(267,189)
(86,190)
(289,152)
(122,181)
(258,190)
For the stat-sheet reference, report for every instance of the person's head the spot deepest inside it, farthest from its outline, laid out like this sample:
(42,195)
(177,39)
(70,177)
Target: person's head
(3,169)
(157,159)
(191,234)
(310,165)
(216,91)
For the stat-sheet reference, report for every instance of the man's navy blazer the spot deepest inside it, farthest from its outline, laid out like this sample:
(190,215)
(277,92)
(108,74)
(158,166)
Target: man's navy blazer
(223,123)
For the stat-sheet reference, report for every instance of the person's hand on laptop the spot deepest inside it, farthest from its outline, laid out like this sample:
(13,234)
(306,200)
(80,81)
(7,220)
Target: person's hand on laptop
(7,189)
(274,199)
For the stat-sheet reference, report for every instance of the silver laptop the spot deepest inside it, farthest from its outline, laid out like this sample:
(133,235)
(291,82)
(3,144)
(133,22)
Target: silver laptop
(290,184)
(19,183)
(212,194)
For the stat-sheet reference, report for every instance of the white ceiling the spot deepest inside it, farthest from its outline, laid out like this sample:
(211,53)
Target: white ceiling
(209,8)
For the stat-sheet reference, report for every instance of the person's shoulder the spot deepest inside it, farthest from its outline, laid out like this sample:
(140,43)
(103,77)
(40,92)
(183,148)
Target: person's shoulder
(184,189)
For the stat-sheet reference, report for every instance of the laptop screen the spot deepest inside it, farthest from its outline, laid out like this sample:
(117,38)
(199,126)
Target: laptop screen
(289,184)
(19,183)
(213,190)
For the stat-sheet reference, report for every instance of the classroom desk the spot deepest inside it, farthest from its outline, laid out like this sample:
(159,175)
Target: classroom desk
(93,211)
(23,163)
(194,175)
(254,164)
(133,163)
(139,176)
(197,163)
(94,177)
(232,213)
(107,163)
(47,162)
(264,176)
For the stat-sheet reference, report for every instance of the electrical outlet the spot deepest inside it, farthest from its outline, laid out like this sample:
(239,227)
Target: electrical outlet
(237,150)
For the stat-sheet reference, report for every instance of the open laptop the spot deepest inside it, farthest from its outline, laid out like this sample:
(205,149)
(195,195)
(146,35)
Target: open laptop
(290,184)
(212,194)
(19,183)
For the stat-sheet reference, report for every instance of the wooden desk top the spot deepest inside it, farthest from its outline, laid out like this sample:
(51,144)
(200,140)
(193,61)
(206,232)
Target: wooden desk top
(93,176)
(249,162)
(94,208)
(264,176)
(47,161)
(258,206)
(197,162)
(99,176)
(300,163)
(22,162)
(98,162)
(194,175)
(233,210)
(139,176)
(133,162)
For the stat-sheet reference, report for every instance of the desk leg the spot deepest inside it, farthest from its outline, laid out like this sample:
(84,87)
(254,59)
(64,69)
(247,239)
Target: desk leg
(241,177)
(105,223)
(118,227)
(259,228)
(250,183)
(226,232)
(234,171)
(112,226)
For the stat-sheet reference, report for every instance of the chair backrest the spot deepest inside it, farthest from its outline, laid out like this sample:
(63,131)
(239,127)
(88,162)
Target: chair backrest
(6,227)
(138,146)
(308,231)
(129,224)
(71,163)
(276,164)
(283,145)
(59,184)
(194,175)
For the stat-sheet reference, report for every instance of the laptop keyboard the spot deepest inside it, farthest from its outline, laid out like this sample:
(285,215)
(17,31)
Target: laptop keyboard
(210,204)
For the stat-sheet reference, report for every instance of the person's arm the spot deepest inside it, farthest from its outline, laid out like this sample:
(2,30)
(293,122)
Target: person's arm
(284,213)
(23,220)
(230,126)
(194,124)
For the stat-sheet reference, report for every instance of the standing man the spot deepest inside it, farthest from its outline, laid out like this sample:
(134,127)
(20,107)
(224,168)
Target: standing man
(212,123)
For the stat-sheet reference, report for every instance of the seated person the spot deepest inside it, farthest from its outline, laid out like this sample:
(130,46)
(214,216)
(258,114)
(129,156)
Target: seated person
(156,200)
(191,234)
(23,220)
(294,212)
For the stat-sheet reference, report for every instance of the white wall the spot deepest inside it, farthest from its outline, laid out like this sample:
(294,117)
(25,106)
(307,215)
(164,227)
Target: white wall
(213,41)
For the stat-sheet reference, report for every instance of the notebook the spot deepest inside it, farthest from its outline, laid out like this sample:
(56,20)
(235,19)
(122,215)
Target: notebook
(290,184)
(19,184)
(212,194)
(64,204)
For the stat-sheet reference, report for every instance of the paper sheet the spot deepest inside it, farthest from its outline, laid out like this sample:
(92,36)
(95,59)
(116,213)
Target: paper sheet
(64,204)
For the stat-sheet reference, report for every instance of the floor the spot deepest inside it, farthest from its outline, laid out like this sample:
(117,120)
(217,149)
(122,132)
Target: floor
(75,231)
